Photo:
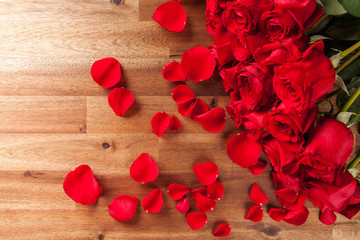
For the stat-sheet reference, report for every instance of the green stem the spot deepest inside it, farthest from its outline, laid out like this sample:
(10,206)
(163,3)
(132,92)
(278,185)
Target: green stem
(350,49)
(354,162)
(350,60)
(350,101)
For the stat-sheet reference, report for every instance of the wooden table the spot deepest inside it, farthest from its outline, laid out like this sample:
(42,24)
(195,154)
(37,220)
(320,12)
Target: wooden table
(53,117)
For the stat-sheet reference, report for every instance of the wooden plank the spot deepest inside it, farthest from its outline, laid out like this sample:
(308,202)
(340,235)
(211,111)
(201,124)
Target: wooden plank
(101,118)
(42,114)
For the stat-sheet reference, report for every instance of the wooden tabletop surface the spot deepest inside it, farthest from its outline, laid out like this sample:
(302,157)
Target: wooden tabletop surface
(53,117)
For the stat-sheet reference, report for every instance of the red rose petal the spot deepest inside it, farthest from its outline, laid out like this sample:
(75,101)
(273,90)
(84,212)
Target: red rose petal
(207,172)
(123,207)
(243,150)
(202,191)
(171,16)
(327,217)
(258,168)
(257,195)
(106,72)
(198,108)
(177,191)
(182,94)
(160,123)
(297,217)
(120,99)
(174,124)
(212,121)
(183,205)
(144,169)
(173,72)
(204,204)
(198,64)
(277,214)
(81,186)
(153,202)
(223,230)
(185,108)
(196,220)
(255,213)
(215,190)
(290,199)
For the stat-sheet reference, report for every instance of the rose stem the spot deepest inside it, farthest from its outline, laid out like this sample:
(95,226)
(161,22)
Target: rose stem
(354,162)
(350,101)
(350,60)
(316,23)
(350,49)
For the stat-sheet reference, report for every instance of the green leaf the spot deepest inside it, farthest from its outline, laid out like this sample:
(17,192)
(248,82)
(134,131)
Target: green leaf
(352,7)
(342,98)
(340,83)
(315,38)
(344,33)
(333,7)
(355,173)
(344,117)
(335,59)
(352,70)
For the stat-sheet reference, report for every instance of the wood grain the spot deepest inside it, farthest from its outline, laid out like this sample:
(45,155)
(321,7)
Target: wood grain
(53,117)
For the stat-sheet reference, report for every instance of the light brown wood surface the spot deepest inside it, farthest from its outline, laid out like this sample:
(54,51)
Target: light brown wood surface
(53,117)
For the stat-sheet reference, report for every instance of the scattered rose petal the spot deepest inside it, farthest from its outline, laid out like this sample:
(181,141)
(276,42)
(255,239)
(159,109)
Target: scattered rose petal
(255,213)
(327,217)
(223,230)
(297,217)
(257,195)
(123,208)
(212,121)
(153,202)
(215,190)
(182,94)
(202,191)
(106,72)
(198,108)
(171,16)
(183,205)
(198,64)
(81,186)
(204,204)
(160,123)
(120,99)
(258,168)
(290,199)
(173,72)
(174,124)
(185,108)
(177,191)
(277,214)
(243,150)
(206,172)
(144,169)
(196,220)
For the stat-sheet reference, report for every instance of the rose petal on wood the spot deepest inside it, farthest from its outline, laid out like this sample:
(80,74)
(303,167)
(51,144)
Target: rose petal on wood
(297,217)
(258,168)
(277,214)
(183,205)
(144,169)
(173,72)
(81,186)
(223,230)
(160,123)
(182,94)
(123,208)
(120,99)
(198,63)
(171,16)
(327,217)
(257,195)
(212,121)
(185,108)
(106,72)
(153,202)
(215,190)
(177,191)
(255,214)
(174,124)
(204,204)
(243,150)
(202,191)
(198,108)
(196,220)
(206,172)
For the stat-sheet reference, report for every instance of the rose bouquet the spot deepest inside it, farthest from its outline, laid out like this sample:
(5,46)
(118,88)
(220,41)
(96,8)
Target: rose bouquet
(276,76)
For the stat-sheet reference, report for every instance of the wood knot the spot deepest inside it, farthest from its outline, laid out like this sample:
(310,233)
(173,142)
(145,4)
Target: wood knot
(33,174)
(101,237)
(213,103)
(105,145)
(117,2)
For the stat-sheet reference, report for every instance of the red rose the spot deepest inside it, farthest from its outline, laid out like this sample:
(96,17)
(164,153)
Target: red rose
(286,124)
(240,49)
(302,10)
(303,83)
(254,86)
(327,149)
(236,110)
(213,14)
